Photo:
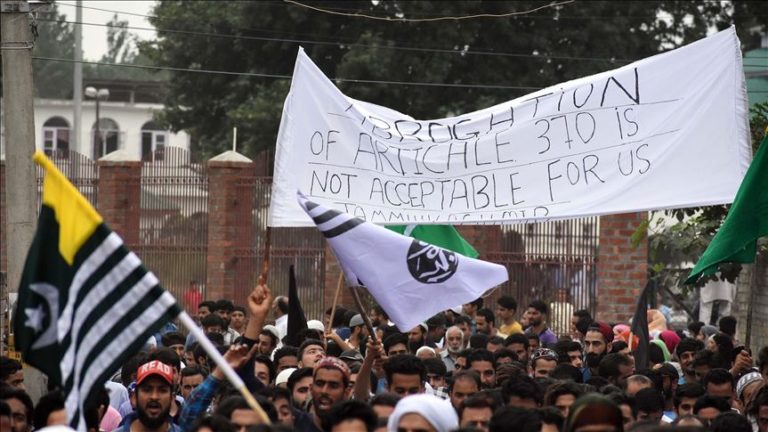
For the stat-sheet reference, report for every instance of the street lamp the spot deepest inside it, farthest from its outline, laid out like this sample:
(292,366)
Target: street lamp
(99,95)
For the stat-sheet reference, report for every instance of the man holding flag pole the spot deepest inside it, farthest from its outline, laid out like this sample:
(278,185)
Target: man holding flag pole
(86,303)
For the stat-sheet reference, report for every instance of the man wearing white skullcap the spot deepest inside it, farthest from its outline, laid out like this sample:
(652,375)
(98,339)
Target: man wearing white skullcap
(423,412)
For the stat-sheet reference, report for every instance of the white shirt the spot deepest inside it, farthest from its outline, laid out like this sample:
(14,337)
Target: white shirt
(282,325)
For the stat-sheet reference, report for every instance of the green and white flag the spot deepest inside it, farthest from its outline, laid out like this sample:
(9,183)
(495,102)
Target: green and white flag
(86,303)
(444,236)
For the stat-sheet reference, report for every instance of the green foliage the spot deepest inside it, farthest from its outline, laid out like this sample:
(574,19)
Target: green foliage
(55,38)
(586,38)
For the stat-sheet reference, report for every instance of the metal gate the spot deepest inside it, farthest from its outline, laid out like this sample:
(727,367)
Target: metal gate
(173,223)
(551,261)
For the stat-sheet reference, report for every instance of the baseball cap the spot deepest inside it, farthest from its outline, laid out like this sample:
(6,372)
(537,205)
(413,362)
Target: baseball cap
(155,367)
(351,355)
(356,320)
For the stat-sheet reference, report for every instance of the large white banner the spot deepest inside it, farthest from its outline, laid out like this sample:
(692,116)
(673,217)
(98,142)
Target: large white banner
(667,131)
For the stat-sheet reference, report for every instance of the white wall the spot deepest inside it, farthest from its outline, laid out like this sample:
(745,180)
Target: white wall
(129,117)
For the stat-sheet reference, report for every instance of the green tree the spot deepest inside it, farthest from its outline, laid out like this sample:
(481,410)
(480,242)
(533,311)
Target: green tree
(556,44)
(55,39)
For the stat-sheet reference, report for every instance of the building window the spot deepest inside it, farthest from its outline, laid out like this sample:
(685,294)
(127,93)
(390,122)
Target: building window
(106,137)
(153,142)
(56,137)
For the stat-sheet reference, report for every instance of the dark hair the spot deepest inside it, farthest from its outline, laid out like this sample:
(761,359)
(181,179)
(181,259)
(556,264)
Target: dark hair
(688,390)
(240,309)
(477,401)
(621,398)
(719,403)
(225,305)
(263,359)
(695,327)
(285,351)
(517,338)
(567,372)
(762,358)
(215,338)
(553,416)
(718,376)
(350,410)
(282,305)
(394,339)
(435,366)
(488,315)
(462,319)
(688,344)
(523,387)
(307,343)
(192,371)
(405,364)
(385,399)
(272,337)
(49,403)
(5,409)
(709,358)
(649,400)
(209,304)
(173,338)
(539,306)
(562,388)
(298,375)
(8,392)
(509,418)
(167,356)
(212,320)
(724,346)
(727,325)
(730,422)
(507,302)
(505,353)
(655,353)
(131,366)
(584,320)
(481,354)
(465,375)
(230,404)
(213,422)
(563,347)
(609,365)
(597,381)
(496,340)
(760,399)
(478,340)
(8,367)
(655,377)
(478,302)
(307,334)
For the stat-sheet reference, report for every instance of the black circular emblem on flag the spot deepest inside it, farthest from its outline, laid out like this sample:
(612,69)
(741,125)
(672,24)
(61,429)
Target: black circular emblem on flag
(431,264)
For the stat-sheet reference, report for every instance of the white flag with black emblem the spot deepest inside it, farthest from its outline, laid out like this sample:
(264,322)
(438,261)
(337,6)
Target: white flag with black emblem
(410,279)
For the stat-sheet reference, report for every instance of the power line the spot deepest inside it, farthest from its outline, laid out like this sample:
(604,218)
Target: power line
(277,76)
(434,19)
(357,45)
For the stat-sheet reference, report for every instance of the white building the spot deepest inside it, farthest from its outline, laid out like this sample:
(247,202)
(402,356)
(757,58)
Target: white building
(126,122)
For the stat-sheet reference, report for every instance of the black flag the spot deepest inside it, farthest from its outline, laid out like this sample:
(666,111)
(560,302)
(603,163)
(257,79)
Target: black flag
(297,321)
(640,327)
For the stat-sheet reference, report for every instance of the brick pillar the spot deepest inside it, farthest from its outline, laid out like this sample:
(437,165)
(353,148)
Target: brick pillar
(332,272)
(119,194)
(484,238)
(622,268)
(3,221)
(230,230)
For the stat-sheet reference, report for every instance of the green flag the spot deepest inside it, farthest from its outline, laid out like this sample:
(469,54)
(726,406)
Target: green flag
(747,220)
(86,303)
(444,236)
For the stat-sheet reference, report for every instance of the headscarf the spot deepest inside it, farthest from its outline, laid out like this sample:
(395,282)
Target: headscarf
(671,339)
(438,412)
(594,409)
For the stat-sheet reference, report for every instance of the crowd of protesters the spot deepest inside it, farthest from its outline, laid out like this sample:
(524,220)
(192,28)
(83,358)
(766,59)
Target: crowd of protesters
(480,367)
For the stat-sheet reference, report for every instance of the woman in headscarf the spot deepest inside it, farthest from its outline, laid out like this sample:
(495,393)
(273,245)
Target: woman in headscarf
(594,413)
(423,412)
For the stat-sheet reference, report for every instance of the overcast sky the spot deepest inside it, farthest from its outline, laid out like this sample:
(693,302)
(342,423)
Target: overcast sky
(94,37)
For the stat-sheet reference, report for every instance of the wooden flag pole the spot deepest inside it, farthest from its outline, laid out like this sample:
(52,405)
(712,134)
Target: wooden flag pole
(363,313)
(265,263)
(221,363)
(339,284)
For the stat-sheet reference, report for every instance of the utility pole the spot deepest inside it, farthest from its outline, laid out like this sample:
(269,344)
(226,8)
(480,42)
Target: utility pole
(18,113)
(77,94)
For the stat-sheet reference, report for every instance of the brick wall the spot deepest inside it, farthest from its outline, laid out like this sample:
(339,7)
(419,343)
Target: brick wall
(119,198)
(752,290)
(230,229)
(621,267)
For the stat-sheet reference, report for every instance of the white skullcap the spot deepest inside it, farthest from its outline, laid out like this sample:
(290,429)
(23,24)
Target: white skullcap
(316,325)
(57,428)
(438,412)
(283,376)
